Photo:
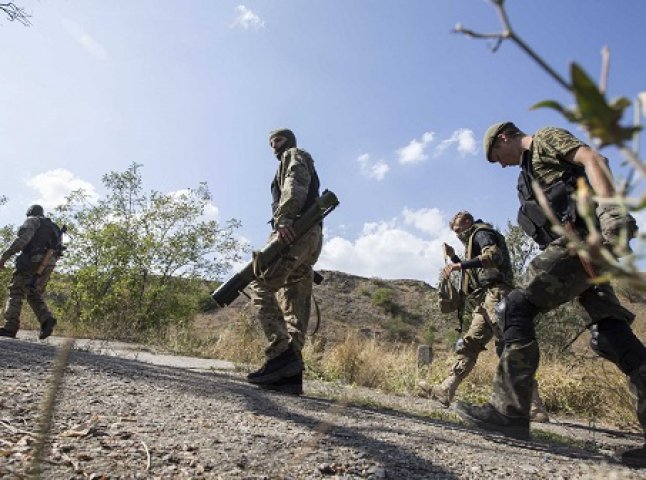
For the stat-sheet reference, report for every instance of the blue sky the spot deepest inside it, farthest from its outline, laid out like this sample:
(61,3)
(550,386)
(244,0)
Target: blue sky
(390,103)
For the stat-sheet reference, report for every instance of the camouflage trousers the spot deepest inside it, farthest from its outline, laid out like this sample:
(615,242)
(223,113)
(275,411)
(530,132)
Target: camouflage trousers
(484,326)
(283,295)
(553,278)
(31,286)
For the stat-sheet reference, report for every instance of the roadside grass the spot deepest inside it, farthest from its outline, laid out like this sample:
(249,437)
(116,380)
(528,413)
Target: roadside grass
(585,387)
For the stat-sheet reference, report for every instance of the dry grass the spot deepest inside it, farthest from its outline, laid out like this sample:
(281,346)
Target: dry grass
(583,387)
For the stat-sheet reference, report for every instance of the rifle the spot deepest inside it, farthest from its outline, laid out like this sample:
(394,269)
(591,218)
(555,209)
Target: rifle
(461,302)
(231,289)
(50,252)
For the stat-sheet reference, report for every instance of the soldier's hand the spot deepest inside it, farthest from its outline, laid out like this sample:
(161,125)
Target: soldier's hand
(286,234)
(448,250)
(446,271)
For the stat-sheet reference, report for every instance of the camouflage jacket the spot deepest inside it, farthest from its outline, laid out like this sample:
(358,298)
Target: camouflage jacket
(294,187)
(550,146)
(25,234)
(489,246)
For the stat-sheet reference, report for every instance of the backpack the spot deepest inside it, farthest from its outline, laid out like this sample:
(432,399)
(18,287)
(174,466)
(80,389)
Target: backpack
(449,297)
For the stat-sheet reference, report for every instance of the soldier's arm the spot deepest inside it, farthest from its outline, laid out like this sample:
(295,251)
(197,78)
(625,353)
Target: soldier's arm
(25,233)
(596,169)
(490,255)
(294,189)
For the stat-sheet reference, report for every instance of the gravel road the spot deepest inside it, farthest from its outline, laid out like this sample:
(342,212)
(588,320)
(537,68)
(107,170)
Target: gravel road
(128,413)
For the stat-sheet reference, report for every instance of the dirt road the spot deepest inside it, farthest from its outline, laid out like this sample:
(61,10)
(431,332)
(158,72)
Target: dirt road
(128,413)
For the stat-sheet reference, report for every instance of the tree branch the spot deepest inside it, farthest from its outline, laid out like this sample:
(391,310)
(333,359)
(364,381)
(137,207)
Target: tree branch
(15,13)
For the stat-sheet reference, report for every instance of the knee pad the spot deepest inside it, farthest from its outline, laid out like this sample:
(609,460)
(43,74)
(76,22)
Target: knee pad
(615,341)
(516,317)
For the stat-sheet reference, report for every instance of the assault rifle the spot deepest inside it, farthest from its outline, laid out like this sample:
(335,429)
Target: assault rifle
(50,252)
(231,289)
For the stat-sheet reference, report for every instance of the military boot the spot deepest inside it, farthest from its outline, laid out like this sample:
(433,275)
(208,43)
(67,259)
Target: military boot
(287,364)
(537,411)
(442,393)
(487,417)
(508,410)
(47,327)
(292,385)
(636,457)
(5,332)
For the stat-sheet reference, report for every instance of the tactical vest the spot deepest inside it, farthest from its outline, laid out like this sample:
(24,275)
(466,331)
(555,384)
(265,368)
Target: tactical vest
(483,277)
(560,198)
(47,236)
(312,192)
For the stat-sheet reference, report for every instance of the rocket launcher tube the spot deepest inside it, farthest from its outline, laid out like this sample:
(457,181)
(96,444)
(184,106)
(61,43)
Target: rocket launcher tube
(231,289)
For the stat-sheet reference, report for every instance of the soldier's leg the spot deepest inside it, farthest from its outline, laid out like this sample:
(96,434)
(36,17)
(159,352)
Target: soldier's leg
(283,358)
(473,342)
(295,300)
(613,339)
(36,299)
(554,277)
(270,317)
(494,296)
(13,305)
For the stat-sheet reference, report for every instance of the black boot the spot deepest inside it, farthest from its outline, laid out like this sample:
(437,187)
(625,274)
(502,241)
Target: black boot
(7,333)
(292,385)
(635,457)
(487,417)
(285,365)
(47,328)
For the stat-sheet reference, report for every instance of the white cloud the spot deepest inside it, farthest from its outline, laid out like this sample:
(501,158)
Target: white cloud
(387,250)
(85,40)
(53,186)
(370,169)
(429,220)
(415,151)
(246,19)
(462,139)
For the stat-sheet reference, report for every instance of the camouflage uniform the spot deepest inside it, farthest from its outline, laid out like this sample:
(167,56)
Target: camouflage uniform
(25,282)
(485,286)
(283,293)
(554,277)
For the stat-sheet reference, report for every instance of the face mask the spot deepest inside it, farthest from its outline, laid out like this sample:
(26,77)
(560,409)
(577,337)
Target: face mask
(464,236)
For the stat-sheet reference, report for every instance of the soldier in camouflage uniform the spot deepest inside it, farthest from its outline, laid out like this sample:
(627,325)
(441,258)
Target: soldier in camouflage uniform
(282,294)
(556,160)
(488,277)
(35,237)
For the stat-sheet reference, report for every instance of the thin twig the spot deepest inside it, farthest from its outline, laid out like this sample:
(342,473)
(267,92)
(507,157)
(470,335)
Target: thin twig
(508,34)
(49,404)
(147,455)
(605,69)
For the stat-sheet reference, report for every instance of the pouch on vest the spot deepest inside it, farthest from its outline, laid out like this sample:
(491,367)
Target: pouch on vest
(449,297)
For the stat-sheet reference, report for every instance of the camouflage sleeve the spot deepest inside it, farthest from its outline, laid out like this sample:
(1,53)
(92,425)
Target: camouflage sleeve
(557,142)
(491,257)
(490,254)
(295,183)
(25,233)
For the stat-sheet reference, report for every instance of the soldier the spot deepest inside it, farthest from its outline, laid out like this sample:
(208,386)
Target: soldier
(487,278)
(556,160)
(282,293)
(33,268)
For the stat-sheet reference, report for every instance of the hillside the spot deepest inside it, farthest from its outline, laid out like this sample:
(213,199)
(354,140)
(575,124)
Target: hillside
(407,311)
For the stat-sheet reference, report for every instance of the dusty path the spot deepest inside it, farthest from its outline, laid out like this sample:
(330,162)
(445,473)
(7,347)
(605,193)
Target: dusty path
(140,417)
